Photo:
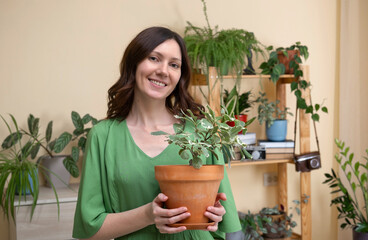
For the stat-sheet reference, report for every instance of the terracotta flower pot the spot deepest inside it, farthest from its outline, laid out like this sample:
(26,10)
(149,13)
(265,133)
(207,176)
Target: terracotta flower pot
(286,60)
(193,188)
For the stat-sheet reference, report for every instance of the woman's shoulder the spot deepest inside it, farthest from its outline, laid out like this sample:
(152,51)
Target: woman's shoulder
(102,128)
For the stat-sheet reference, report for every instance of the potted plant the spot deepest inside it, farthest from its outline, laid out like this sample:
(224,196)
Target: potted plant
(224,49)
(277,222)
(286,61)
(237,105)
(59,167)
(195,185)
(274,117)
(350,191)
(18,174)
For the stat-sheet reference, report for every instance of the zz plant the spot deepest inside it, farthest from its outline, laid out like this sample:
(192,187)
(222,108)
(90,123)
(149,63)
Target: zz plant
(210,134)
(351,209)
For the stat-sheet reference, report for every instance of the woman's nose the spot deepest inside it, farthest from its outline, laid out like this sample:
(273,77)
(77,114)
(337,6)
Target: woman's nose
(163,70)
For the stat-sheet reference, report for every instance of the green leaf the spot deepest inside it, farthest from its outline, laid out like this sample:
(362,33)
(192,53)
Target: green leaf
(315,117)
(86,118)
(34,150)
(293,86)
(75,154)
(49,131)
(82,143)
(317,106)
(30,121)
(324,109)
(11,140)
(186,154)
(71,166)
(77,121)
(62,142)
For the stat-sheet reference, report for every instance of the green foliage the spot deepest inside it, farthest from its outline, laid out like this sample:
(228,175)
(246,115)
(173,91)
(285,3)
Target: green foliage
(56,145)
(274,68)
(269,111)
(261,224)
(350,208)
(211,135)
(237,104)
(17,172)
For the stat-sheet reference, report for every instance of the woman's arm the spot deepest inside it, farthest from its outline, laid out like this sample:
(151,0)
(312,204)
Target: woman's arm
(123,223)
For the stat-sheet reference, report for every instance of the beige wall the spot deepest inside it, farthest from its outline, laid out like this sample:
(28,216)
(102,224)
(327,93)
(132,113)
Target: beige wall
(59,56)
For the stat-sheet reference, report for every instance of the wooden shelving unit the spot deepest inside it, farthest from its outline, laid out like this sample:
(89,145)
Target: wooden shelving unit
(304,140)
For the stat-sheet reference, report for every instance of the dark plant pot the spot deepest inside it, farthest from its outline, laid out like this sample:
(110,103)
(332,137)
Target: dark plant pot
(286,60)
(57,174)
(249,70)
(225,68)
(359,235)
(241,117)
(25,189)
(277,131)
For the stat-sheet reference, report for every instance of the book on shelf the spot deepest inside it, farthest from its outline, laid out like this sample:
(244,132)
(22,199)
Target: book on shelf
(248,138)
(280,150)
(270,144)
(274,156)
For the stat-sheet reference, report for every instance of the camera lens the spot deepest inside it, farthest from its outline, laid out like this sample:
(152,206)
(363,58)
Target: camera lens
(256,155)
(314,163)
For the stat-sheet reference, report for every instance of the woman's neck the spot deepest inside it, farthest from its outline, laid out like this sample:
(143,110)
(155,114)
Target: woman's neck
(149,115)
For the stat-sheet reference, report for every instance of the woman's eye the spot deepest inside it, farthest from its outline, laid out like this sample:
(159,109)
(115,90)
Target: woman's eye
(153,58)
(175,65)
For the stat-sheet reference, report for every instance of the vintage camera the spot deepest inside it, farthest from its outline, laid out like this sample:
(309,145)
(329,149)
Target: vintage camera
(257,152)
(307,162)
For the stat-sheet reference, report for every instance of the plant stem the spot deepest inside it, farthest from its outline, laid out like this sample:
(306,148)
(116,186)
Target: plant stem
(48,152)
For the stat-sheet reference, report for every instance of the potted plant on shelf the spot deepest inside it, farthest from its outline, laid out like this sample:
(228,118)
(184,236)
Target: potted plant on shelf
(287,61)
(274,117)
(18,174)
(195,185)
(237,105)
(226,49)
(350,191)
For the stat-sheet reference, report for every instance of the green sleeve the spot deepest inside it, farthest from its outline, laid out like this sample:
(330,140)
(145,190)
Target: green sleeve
(91,209)
(230,221)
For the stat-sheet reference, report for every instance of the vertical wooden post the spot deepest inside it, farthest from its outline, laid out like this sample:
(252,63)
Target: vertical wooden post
(282,167)
(305,177)
(214,98)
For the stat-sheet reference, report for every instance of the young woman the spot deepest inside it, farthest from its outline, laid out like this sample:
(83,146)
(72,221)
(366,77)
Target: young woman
(118,195)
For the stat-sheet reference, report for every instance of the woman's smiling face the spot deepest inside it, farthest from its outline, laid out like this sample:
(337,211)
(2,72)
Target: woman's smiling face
(158,74)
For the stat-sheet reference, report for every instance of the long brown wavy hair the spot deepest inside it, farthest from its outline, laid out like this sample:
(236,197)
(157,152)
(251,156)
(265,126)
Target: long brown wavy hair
(121,94)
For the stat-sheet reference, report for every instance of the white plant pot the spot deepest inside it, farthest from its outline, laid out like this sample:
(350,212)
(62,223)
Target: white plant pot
(56,173)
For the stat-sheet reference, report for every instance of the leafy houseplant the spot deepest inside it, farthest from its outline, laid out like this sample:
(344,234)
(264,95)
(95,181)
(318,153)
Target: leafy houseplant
(198,137)
(211,47)
(348,203)
(276,66)
(237,104)
(270,223)
(19,175)
(274,117)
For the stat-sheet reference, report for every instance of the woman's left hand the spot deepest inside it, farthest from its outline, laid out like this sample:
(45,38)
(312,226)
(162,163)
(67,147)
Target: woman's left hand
(216,212)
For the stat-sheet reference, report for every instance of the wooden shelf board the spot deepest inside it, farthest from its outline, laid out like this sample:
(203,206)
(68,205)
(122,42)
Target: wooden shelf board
(260,162)
(200,79)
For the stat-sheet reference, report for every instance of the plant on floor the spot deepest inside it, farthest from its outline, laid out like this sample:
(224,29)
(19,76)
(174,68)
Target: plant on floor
(236,103)
(268,111)
(210,134)
(18,174)
(351,190)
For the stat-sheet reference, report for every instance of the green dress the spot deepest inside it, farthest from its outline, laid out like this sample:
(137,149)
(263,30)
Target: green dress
(118,176)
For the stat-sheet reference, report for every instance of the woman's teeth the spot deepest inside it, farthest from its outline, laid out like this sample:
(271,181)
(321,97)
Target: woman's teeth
(158,83)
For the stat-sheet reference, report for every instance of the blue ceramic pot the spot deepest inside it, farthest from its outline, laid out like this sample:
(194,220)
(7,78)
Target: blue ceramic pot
(277,131)
(26,190)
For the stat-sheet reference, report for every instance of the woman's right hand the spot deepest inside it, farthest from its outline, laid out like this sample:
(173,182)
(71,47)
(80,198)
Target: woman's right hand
(162,216)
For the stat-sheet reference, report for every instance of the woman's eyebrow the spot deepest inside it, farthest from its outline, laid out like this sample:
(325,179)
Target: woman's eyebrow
(160,54)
